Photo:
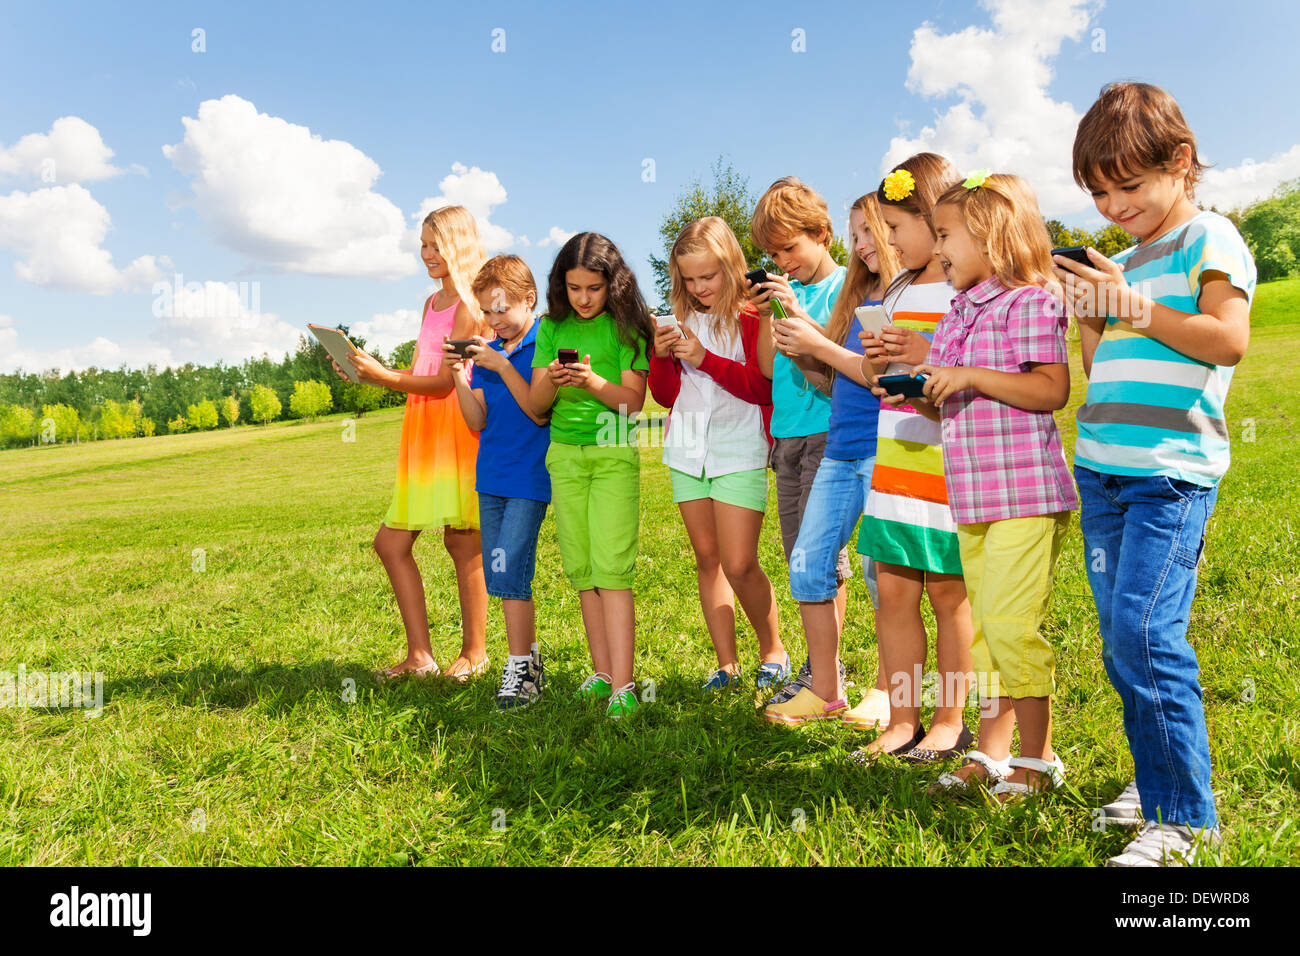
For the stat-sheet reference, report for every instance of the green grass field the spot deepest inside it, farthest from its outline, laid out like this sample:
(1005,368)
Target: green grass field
(227,736)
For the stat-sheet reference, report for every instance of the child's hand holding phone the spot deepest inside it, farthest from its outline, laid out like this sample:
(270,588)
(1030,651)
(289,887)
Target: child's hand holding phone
(1093,289)
(689,348)
(667,334)
(485,356)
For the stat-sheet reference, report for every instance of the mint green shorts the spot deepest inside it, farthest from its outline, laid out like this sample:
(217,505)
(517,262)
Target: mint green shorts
(596,497)
(744,489)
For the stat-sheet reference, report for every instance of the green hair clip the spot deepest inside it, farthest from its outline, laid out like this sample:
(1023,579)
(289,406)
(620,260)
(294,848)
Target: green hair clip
(976,179)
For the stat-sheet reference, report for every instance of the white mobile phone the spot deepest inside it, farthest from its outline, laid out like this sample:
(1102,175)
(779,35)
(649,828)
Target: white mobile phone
(667,322)
(873,318)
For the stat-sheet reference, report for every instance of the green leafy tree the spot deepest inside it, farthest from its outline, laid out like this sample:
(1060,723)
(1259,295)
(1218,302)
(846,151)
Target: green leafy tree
(202,416)
(730,199)
(264,402)
(178,425)
(146,426)
(59,423)
(310,399)
(361,398)
(116,419)
(17,426)
(230,410)
(1271,228)
(404,355)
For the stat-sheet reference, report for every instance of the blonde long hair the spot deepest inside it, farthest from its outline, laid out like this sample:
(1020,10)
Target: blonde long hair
(460,246)
(1002,217)
(711,235)
(860,279)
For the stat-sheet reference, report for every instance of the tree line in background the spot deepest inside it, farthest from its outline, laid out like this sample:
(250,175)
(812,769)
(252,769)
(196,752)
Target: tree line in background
(44,407)
(51,407)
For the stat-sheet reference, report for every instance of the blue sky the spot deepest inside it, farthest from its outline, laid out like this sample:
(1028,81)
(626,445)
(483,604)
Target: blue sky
(317,136)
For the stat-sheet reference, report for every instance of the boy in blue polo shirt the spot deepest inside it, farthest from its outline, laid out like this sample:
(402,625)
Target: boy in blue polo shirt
(512,483)
(1162,326)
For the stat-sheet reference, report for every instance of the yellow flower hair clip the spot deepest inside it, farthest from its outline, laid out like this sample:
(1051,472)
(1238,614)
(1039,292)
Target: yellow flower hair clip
(976,179)
(899,185)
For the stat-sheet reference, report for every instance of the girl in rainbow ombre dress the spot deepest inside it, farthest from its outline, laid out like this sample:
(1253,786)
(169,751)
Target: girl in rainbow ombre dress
(436,458)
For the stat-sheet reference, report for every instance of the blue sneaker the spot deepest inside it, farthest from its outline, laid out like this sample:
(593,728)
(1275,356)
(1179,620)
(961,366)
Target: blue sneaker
(720,679)
(772,672)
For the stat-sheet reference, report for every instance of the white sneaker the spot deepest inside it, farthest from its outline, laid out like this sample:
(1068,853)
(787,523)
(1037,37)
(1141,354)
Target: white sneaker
(1126,809)
(1163,844)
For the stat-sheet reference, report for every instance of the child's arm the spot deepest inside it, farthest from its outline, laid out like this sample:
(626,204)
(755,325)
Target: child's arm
(746,381)
(1217,335)
(545,387)
(489,359)
(627,397)
(439,385)
(665,379)
(1043,387)
(473,408)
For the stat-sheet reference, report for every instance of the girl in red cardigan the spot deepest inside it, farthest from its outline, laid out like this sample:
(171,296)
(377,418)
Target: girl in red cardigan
(704,368)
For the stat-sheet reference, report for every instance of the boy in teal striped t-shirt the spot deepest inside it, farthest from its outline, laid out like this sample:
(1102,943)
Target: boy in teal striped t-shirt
(1161,327)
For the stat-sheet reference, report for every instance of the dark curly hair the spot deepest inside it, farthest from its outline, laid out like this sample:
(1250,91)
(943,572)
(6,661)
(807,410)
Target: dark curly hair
(624,302)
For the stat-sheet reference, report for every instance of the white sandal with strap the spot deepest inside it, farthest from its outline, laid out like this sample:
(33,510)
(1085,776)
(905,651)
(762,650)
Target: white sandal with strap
(1053,769)
(997,771)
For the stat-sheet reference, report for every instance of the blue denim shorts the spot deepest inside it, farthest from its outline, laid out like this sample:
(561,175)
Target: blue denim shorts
(509,529)
(835,504)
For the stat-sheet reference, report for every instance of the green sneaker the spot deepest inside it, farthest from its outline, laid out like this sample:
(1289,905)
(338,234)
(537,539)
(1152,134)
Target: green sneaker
(597,685)
(622,702)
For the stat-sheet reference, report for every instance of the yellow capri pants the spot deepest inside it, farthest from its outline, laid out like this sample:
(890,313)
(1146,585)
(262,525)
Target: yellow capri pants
(1008,569)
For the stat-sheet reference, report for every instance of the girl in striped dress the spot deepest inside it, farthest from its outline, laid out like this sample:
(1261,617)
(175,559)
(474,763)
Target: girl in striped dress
(908,529)
(437,455)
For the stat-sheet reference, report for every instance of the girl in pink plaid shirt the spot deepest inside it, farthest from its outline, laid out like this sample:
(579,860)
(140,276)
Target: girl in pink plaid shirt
(997,370)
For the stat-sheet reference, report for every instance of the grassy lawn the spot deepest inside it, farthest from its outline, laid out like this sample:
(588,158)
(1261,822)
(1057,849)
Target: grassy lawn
(241,723)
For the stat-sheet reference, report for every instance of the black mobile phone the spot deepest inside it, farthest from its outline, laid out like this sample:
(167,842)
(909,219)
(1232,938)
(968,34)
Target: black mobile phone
(756,276)
(1077,254)
(567,356)
(906,385)
(461,346)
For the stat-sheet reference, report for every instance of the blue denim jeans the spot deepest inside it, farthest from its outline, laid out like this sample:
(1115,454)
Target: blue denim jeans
(509,527)
(1142,541)
(835,504)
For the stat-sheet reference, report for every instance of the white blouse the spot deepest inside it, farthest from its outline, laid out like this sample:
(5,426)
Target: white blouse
(711,432)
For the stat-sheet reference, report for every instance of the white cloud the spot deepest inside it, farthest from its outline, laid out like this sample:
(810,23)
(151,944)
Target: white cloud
(1004,118)
(58,233)
(479,191)
(1242,185)
(99,352)
(384,331)
(287,198)
(204,322)
(72,151)
(556,237)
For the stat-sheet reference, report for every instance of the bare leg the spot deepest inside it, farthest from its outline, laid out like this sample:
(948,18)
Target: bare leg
(952,656)
(466,550)
(738,530)
(997,723)
(593,622)
(820,626)
(619,611)
(900,637)
(1034,715)
(521,630)
(716,598)
(394,546)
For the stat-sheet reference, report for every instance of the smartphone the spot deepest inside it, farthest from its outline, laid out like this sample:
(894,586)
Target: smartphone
(756,276)
(873,318)
(904,384)
(1077,254)
(461,346)
(778,310)
(567,356)
(668,322)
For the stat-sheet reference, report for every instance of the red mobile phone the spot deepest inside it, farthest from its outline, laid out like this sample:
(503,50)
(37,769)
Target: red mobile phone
(567,356)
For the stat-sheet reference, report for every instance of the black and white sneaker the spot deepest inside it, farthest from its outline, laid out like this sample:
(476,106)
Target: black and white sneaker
(801,680)
(521,682)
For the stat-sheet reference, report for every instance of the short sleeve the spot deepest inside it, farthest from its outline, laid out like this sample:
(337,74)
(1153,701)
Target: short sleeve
(1215,245)
(544,350)
(1036,324)
(632,357)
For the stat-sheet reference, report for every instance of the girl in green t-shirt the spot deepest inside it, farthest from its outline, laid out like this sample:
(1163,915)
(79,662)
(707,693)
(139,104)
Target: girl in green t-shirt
(595,308)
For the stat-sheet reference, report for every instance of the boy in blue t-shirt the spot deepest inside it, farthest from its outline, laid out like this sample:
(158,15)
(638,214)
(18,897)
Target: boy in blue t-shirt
(1161,328)
(512,483)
